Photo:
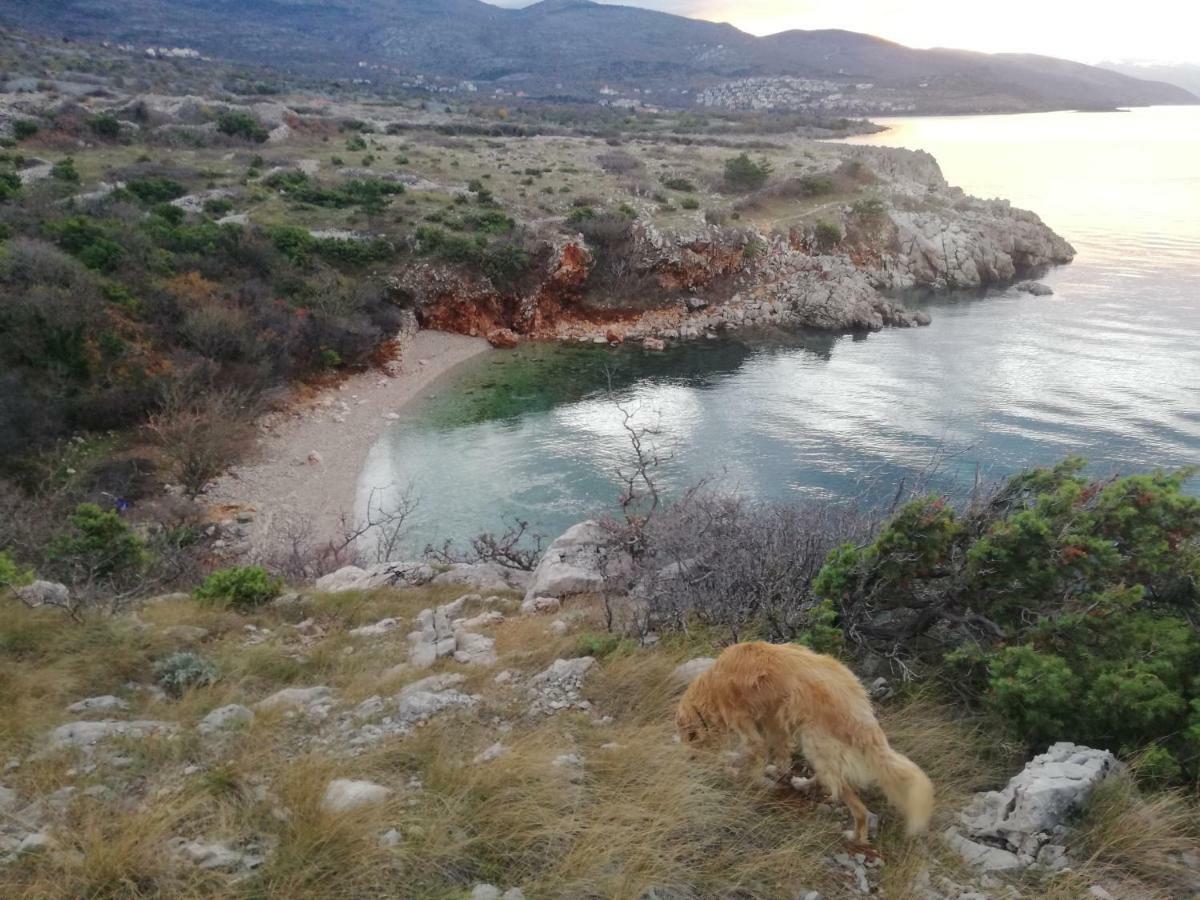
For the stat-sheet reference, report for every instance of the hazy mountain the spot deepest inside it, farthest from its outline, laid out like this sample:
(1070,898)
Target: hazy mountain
(1184,75)
(574,47)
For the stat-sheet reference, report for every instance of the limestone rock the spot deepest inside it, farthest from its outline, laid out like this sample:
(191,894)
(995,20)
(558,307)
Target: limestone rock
(1024,823)
(575,563)
(540,605)
(495,751)
(687,672)
(225,718)
(475,649)
(558,686)
(383,626)
(216,856)
(85,735)
(105,703)
(1036,288)
(44,593)
(344,794)
(313,700)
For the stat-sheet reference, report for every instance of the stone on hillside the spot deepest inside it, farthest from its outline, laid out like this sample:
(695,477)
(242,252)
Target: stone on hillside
(383,626)
(84,735)
(345,794)
(483,620)
(484,891)
(574,563)
(495,751)
(225,718)
(417,707)
(1026,822)
(104,703)
(216,856)
(475,649)
(44,593)
(315,701)
(687,672)
(540,605)
(558,628)
(8,799)
(558,686)
(484,577)
(392,574)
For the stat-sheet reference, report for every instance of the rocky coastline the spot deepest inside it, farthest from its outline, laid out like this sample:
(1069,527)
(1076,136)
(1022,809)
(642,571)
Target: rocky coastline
(687,282)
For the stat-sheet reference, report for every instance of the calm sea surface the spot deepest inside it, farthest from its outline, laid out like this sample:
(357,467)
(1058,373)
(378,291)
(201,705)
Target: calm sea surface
(1109,367)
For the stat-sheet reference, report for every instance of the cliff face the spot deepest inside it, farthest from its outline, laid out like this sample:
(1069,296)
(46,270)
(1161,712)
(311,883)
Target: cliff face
(686,282)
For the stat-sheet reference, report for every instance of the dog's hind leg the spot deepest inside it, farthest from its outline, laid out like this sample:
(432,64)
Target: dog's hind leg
(861,834)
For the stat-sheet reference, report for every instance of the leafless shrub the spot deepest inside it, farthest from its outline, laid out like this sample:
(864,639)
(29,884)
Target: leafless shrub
(743,566)
(201,434)
(517,547)
(303,554)
(619,162)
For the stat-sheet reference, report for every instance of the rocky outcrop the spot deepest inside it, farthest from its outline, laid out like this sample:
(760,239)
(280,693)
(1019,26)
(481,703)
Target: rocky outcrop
(478,576)
(575,563)
(1025,824)
(701,278)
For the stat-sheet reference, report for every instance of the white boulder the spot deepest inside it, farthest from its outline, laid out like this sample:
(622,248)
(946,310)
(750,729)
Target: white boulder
(344,794)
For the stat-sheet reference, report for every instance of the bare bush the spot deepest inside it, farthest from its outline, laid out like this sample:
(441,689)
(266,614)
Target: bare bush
(619,162)
(514,548)
(303,554)
(743,566)
(201,434)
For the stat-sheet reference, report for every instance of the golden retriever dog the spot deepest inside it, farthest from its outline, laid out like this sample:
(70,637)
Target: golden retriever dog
(770,695)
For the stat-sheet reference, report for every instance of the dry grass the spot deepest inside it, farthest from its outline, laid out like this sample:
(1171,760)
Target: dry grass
(641,815)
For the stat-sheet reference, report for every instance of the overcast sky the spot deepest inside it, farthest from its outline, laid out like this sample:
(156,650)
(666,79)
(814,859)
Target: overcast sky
(1086,30)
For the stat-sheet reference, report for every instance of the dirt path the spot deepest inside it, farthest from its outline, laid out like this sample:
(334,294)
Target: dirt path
(308,460)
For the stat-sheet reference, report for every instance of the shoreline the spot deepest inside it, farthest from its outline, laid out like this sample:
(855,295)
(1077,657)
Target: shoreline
(308,459)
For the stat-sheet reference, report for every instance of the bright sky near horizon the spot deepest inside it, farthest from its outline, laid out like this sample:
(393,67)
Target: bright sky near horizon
(1085,30)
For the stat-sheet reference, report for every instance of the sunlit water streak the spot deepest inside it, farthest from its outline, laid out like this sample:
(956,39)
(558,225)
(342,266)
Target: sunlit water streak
(1108,367)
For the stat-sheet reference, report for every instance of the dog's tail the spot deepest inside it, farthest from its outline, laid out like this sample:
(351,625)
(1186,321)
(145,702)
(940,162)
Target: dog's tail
(906,787)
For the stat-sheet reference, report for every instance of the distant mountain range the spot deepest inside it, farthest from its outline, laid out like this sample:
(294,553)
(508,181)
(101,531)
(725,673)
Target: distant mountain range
(1184,75)
(574,49)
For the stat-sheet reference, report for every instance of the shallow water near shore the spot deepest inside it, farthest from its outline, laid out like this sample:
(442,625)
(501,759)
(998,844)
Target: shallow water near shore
(1108,367)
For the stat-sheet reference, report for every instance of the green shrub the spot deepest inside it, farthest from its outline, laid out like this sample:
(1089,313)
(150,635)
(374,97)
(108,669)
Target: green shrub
(743,174)
(10,185)
(104,125)
(602,645)
(689,203)
(97,543)
(827,235)
(24,128)
(356,144)
(679,184)
(243,588)
(1072,603)
(12,575)
(218,206)
(239,123)
(87,240)
(155,190)
(65,171)
(181,671)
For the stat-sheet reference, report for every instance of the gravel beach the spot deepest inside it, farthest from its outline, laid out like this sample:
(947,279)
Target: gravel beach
(308,460)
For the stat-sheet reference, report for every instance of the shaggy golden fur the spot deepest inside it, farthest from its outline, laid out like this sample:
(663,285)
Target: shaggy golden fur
(770,695)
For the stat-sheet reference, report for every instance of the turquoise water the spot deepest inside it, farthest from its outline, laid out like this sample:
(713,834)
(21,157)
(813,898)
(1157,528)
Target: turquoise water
(1109,367)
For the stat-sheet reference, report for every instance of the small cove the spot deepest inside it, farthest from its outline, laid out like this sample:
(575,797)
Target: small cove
(1109,367)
